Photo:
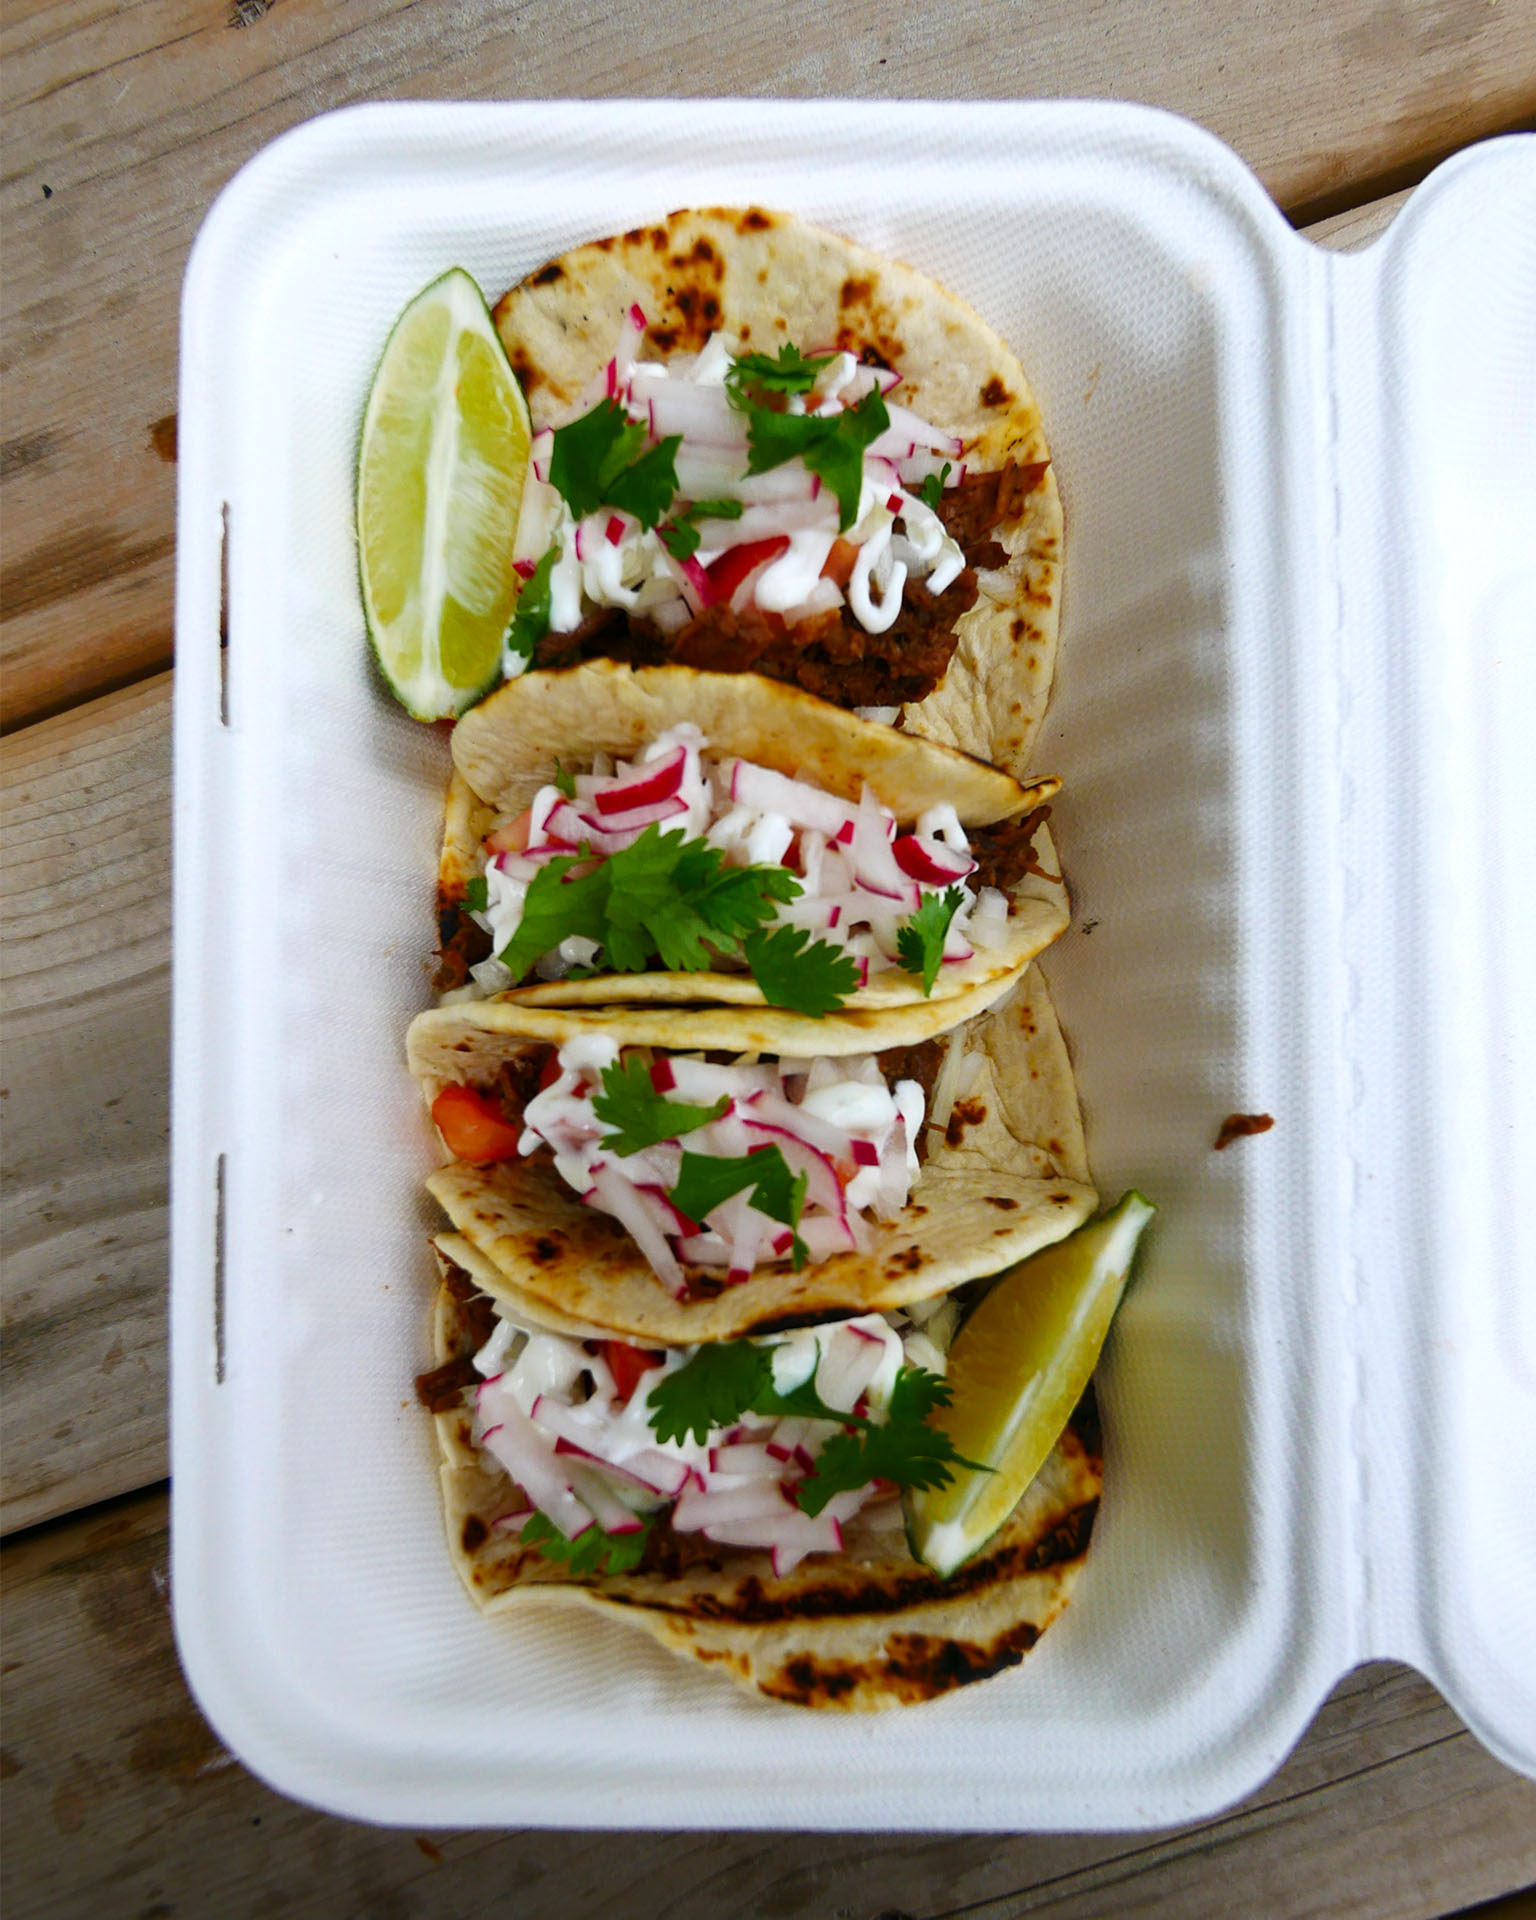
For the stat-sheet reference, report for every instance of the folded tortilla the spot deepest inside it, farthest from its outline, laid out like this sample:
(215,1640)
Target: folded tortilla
(861,1630)
(505,750)
(1007,1176)
(768,278)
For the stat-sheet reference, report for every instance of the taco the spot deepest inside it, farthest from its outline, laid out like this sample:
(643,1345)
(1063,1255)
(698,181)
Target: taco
(706,1540)
(760,847)
(687,1175)
(760,447)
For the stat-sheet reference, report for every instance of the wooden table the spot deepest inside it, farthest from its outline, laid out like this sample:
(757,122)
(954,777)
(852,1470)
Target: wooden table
(122,121)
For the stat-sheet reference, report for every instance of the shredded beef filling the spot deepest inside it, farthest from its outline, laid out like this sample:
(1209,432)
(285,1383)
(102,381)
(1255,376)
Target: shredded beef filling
(972,511)
(830,654)
(461,944)
(1006,852)
(517,1081)
(920,1063)
(440,1389)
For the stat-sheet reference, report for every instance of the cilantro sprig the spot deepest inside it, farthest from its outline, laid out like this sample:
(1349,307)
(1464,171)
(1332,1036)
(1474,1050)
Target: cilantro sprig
(477,894)
(790,372)
(680,534)
(592,1551)
(530,619)
(831,445)
(601,460)
(670,898)
(721,1382)
(640,1116)
(920,939)
(932,487)
(707,1179)
(812,976)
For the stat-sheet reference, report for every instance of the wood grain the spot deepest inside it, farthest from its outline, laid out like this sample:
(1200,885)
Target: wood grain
(85,914)
(121,1800)
(121,124)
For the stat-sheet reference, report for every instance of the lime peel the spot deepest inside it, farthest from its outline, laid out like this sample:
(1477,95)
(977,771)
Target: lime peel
(441,465)
(1017,1368)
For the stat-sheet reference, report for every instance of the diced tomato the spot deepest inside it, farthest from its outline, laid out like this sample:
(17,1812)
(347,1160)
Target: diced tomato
(473,1126)
(627,1364)
(513,837)
(727,573)
(838,565)
(551,1070)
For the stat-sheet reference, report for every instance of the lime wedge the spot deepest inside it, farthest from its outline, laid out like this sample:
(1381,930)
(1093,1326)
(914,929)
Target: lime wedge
(439,484)
(1017,1368)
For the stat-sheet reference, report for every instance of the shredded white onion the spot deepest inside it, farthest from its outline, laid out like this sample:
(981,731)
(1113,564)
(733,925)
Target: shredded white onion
(860,876)
(686,397)
(550,1413)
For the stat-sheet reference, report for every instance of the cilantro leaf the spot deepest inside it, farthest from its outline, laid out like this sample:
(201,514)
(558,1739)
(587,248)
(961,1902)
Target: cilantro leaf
(565,780)
(831,445)
(712,1389)
(932,487)
(680,536)
(646,487)
(556,907)
(707,1179)
(477,894)
(530,618)
(663,896)
(592,1551)
(791,372)
(920,940)
(597,460)
(903,1448)
(720,1383)
(639,1114)
(794,971)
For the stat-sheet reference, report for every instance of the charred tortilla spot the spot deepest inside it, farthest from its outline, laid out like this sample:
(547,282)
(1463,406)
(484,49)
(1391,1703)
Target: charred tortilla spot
(527,373)
(1067,1540)
(475,1533)
(754,220)
(547,275)
(545,1249)
(964,1113)
(995,394)
(856,293)
(1003,1202)
(806,1681)
(1060,1199)
(907,1261)
(664,338)
(928,1665)
(756,1603)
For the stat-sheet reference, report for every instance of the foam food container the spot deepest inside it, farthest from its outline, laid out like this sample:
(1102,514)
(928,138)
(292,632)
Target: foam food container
(1294,712)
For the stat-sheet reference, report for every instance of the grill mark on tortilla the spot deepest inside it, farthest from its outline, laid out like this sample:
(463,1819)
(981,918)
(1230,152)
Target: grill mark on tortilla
(751,1604)
(916,1666)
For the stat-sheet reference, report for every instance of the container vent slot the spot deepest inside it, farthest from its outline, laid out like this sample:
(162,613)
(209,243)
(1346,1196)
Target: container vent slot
(224,622)
(218,1271)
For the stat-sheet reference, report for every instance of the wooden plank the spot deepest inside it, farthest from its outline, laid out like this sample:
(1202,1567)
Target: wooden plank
(122,123)
(85,915)
(119,1799)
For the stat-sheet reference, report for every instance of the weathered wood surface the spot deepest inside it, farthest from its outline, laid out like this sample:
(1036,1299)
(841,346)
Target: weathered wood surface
(85,920)
(119,1800)
(121,124)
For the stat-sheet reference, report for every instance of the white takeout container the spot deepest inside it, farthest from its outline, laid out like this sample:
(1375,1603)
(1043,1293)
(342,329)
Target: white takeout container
(1294,713)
